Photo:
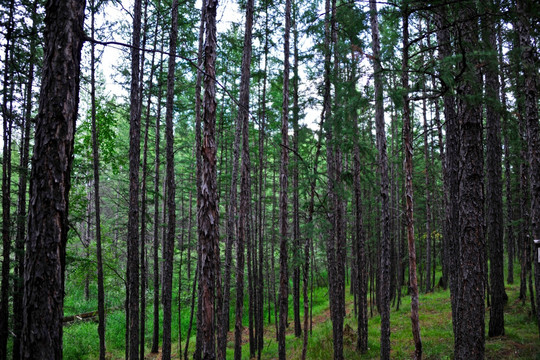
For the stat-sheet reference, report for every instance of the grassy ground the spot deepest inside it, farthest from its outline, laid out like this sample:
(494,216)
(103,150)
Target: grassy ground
(521,341)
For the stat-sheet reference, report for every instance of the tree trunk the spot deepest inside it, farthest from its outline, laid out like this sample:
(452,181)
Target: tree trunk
(471,279)
(510,239)
(168,246)
(384,277)
(451,176)
(362,343)
(296,204)
(155,332)
(408,149)
(208,207)
(50,181)
(95,155)
(494,201)
(283,182)
(6,179)
(243,228)
(134,159)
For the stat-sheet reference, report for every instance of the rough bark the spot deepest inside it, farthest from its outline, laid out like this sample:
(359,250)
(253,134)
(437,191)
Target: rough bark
(133,218)
(208,207)
(283,182)
(384,273)
(471,278)
(243,228)
(50,181)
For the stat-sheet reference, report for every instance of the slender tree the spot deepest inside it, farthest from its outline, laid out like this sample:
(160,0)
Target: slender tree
(97,199)
(494,203)
(208,209)
(283,182)
(133,218)
(168,245)
(408,150)
(50,181)
(384,274)
(243,229)
(6,179)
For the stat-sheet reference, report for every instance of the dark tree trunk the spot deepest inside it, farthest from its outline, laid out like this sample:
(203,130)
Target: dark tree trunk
(243,228)
(531,115)
(494,201)
(429,239)
(510,238)
(95,155)
(283,182)
(362,343)
(132,349)
(208,207)
(50,182)
(198,171)
(168,245)
(471,278)
(155,330)
(384,277)
(6,179)
(142,252)
(296,203)
(408,149)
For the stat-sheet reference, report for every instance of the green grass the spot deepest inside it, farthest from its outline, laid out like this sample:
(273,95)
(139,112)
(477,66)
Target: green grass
(520,342)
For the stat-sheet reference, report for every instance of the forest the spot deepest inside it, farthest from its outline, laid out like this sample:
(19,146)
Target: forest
(260,179)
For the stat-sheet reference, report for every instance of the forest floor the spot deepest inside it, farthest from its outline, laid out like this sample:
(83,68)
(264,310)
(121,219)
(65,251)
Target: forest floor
(521,341)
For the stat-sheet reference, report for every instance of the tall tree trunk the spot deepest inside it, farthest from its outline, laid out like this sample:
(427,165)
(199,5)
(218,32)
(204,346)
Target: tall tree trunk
(429,239)
(168,245)
(471,279)
(95,155)
(134,160)
(494,201)
(243,228)
(6,179)
(296,204)
(198,171)
(362,343)
(531,115)
(50,181)
(408,149)
(157,226)
(384,276)
(510,239)
(283,182)
(208,207)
